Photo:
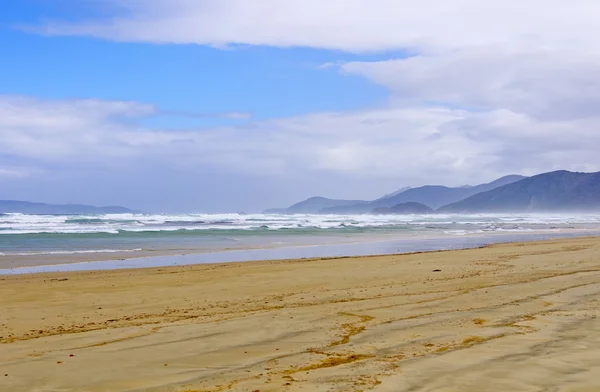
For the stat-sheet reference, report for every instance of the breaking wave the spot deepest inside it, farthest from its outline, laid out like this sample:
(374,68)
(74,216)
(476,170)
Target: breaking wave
(129,224)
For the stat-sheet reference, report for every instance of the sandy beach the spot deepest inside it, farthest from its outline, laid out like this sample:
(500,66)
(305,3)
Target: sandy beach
(510,317)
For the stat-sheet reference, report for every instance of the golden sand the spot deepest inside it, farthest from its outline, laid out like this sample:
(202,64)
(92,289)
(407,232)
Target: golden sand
(516,317)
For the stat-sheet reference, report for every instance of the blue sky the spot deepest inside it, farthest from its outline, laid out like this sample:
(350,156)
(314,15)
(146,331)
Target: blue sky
(263,82)
(242,105)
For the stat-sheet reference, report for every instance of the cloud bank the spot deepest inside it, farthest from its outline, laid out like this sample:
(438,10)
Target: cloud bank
(416,144)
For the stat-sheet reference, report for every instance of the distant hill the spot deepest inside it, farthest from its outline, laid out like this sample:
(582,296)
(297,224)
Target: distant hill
(399,191)
(404,208)
(313,205)
(554,191)
(433,196)
(25,207)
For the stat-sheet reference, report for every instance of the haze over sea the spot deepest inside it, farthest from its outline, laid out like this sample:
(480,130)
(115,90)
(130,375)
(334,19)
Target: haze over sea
(143,235)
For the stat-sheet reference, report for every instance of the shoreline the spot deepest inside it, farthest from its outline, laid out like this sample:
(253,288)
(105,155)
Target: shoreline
(372,247)
(516,316)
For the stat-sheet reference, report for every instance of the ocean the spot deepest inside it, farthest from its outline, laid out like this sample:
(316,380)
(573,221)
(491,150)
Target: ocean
(216,235)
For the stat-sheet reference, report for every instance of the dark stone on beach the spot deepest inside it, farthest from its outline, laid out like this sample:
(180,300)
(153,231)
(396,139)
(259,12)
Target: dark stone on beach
(437,270)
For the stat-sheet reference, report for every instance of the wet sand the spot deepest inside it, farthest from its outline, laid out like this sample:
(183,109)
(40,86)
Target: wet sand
(510,317)
(20,261)
(42,263)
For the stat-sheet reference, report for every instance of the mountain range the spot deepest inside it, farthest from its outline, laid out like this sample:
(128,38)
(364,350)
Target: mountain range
(313,205)
(25,207)
(554,191)
(432,196)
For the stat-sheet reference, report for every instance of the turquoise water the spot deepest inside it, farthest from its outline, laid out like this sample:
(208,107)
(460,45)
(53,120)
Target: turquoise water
(398,246)
(192,233)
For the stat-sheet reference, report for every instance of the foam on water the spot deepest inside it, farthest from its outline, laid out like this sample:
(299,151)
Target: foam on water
(118,223)
(22,234)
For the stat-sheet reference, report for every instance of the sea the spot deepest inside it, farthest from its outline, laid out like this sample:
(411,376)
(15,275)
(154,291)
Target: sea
(179,239)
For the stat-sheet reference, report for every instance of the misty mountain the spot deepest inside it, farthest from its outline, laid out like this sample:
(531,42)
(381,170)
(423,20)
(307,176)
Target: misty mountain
(554,191)
(25,207)
(433,196)
(404,208)
(313,205)
(399,191)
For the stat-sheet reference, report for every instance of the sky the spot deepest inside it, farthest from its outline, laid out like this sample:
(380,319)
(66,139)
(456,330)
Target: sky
(242,105)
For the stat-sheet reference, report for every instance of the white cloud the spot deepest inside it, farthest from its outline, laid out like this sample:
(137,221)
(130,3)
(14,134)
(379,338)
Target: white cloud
(54,129)
(353,25)
(414,145)
(236,115)
(537,57)
(543,83)
(228,115)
